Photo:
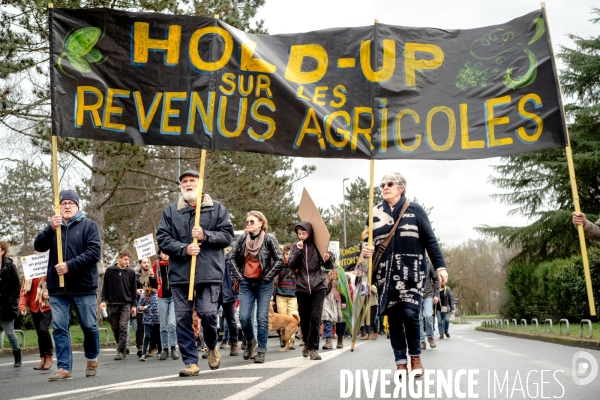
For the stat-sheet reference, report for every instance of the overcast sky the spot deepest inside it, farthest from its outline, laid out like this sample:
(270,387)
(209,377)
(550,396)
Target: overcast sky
(457,190)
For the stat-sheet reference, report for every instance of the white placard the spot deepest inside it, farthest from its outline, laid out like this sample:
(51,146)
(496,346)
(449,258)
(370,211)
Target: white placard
(144,246)
(35,265)
(334,247)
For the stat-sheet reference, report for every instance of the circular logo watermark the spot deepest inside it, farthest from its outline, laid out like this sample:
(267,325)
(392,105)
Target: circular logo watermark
(584,367)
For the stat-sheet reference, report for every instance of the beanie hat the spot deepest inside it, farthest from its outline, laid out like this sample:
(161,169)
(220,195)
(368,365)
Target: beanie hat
(69,194)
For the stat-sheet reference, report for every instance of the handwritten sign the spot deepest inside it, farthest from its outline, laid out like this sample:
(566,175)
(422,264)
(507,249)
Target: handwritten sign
(35,266)
(144,246)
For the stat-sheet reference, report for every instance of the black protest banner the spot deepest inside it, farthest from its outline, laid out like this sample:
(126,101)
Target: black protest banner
(349,256)
(375,92)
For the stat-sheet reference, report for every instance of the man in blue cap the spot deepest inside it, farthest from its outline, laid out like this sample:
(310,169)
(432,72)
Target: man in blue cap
(82,250)
(175,234)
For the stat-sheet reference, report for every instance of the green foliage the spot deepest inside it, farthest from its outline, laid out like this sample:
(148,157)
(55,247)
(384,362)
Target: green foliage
(553,289)
(538,183)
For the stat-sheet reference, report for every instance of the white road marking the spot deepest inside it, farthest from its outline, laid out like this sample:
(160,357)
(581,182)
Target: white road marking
(489,346)
(193,382)
(509,353)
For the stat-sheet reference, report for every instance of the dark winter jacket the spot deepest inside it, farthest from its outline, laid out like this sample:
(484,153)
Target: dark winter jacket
(175,234)
(432,285)
(10,289)
(227,288)
(119,286)
(308,263)
(446,299)
(82,250)
(269,255)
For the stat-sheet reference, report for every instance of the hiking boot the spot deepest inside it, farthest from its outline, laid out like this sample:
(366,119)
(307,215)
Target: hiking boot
(17,355)
(223,345)
(40,366)
(423,346)
(260,357)
(441,336)
(175,354)
(250,351)
(244,344)
(91,369)
(233,348)
(416,365)
(328,345)
(447,335)
(431,342)
(48,363)
(214,359)
(305,351)
(120,356)
(143,358)
(61,375)
(373,336)
(340,343)
(162,356)
(189,370)
(314,355)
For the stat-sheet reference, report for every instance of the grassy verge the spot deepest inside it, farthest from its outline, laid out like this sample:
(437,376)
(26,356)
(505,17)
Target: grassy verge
(482,316)
(574,330)
(31,339)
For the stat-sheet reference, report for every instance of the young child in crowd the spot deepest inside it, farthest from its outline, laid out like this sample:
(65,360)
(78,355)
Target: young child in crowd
(148,305)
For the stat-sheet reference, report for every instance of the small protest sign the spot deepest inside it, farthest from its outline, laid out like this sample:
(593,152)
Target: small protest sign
(35,265)
(144,246)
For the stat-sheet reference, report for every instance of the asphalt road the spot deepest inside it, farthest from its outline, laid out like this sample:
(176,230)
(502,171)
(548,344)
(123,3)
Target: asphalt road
(492,366)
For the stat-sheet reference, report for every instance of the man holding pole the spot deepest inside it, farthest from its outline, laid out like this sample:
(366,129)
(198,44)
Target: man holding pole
(82,250)
(175,235)
(590,229)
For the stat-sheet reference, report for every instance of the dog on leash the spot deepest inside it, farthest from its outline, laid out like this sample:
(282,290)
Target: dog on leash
(288,324)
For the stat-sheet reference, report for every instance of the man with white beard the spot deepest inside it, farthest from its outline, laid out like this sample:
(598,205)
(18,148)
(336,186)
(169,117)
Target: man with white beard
(175,234)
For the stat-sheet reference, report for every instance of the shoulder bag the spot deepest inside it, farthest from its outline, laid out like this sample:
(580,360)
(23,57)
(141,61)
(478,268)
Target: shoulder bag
(381,248)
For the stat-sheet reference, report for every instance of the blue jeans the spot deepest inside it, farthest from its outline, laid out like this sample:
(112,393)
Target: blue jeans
(404,332)
(427,311)
(443,321)
(166,315)
(85,306)
(260,293)
(9,329)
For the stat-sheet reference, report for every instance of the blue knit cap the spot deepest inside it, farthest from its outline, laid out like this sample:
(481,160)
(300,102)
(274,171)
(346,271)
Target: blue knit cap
(69,194)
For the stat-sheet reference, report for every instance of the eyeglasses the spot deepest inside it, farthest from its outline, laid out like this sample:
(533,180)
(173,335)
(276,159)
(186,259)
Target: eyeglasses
(389,184)
(250,222)
(68,204)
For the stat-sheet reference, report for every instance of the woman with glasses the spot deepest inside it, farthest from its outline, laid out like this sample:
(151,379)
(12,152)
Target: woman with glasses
(255,261)
(400,271)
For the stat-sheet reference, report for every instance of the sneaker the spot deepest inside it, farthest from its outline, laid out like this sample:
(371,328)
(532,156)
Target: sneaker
(416,365)
(61,375)
(447,335)
(314,355)
(91,369)
(431,342)
(139,352)
(381,333)
(223,345)
(120,356)
(260,357)
(250,351)
(214,359)
(441,337)
(143,357)
(162,356)
(175,354)
(189,370)
(233,349)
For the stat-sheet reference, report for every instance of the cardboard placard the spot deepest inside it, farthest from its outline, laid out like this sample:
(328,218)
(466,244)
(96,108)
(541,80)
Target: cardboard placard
(35,265)
(308,212)
(144,246)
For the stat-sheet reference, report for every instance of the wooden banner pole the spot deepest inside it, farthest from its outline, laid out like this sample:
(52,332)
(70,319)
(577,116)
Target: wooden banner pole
(573,181)
(59,248)
(197,221)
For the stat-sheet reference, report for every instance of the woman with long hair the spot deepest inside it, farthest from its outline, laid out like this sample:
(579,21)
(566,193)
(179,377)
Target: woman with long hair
(255,261)
(9,299)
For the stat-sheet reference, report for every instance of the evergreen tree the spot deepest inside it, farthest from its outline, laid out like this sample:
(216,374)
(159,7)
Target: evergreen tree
(539,182)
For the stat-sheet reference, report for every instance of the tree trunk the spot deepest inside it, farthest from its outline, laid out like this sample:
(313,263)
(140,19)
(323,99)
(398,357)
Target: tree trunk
(96,212)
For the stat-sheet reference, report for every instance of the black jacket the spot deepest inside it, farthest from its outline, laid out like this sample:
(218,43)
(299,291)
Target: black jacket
(82,250)
(308,263)
(120,286)
(227,288)
(446,299)
(175,234)
(269,255)
(10,289)
(432,283)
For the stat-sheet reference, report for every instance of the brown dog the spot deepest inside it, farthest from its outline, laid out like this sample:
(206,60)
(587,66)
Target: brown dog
(288,325)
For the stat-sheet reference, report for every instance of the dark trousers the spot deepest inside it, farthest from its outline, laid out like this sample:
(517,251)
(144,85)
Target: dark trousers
(404,329)
(119,323)
(151,338)
(42,322)
(206,303)
(139,330)
(310,309)
(229,314)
